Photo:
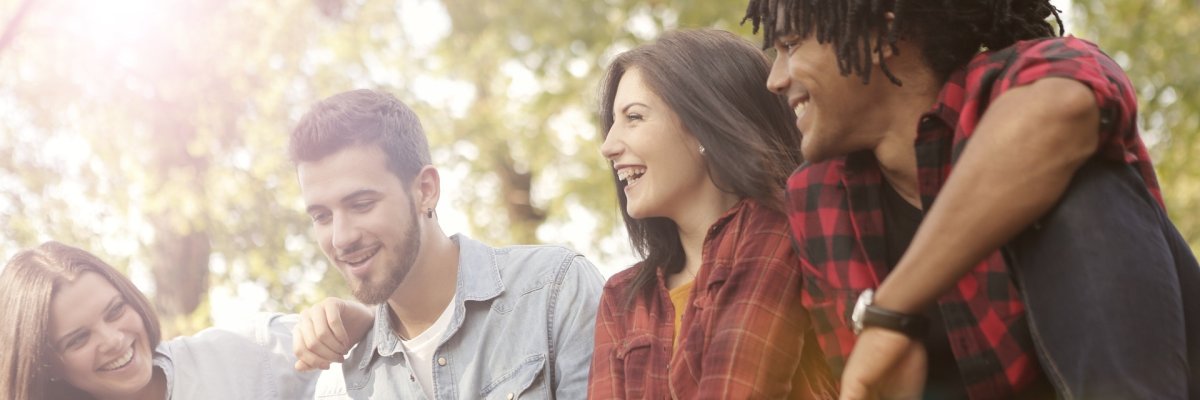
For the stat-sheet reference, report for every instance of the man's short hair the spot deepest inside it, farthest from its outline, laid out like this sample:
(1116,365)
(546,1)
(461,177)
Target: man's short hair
(363,117)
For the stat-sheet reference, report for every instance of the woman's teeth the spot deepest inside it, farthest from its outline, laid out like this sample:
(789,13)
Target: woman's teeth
(630,175)
(120,362)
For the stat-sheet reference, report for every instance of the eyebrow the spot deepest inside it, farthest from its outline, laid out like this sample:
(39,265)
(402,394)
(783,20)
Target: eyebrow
(627,106)
(78,331)
(350,197)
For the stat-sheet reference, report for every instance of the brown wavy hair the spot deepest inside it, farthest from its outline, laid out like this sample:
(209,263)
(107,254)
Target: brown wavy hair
(715,82)
(28,283)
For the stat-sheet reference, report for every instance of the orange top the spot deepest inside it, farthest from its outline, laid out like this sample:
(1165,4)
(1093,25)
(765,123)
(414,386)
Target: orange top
(679,298)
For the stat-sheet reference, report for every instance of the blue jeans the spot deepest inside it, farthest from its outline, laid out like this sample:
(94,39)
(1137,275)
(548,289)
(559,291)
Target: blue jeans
(1112,291)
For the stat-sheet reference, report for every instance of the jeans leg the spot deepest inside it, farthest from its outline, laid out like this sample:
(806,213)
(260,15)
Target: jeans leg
(1102,291)
(1189,281)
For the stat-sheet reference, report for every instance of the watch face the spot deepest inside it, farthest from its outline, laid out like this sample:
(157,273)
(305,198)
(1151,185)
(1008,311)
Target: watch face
(860,307)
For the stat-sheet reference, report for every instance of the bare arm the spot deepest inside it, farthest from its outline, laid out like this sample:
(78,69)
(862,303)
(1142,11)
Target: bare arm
(1017,165)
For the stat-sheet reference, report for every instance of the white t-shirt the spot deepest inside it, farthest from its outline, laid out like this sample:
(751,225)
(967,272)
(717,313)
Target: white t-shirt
(421,348)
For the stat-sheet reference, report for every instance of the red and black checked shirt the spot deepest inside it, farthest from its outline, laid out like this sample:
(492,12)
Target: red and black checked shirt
(834,210)
(744,334)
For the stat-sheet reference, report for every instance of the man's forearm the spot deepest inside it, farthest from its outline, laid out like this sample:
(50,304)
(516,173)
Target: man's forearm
(1016,167)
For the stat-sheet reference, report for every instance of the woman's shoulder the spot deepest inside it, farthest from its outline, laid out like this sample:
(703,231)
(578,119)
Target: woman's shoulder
(622,279)
(758,218)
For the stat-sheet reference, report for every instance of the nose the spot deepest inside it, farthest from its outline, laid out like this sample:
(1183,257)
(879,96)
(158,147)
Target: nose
(111,338)
(612,146)
(778,81)
(345,233)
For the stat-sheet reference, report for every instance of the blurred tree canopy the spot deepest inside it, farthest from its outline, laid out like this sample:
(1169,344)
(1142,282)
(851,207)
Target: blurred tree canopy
(1151,39)
(153,132)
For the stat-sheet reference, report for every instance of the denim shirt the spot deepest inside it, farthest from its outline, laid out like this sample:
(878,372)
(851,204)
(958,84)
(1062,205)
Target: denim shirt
(524,318)
(247,362)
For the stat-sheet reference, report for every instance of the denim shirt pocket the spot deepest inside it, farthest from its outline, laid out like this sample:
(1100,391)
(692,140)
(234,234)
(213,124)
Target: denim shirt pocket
(512,383)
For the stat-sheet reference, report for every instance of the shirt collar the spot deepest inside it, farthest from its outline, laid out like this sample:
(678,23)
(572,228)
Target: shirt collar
(162,360)
(949,103)
(478,280)
(729,215)
(478,270)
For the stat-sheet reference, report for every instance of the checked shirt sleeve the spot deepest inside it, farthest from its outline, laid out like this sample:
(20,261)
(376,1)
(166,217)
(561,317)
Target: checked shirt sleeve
(1081,61)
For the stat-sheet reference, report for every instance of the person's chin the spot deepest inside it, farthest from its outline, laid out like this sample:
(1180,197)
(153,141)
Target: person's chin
(634,208)
(132,384)
(644,211)
(813,153)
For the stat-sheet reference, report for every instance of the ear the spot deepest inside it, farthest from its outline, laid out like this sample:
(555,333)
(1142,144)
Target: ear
(427,189)
(888,51)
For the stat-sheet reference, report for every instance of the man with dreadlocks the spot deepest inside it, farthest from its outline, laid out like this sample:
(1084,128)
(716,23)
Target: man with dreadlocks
(1043,263)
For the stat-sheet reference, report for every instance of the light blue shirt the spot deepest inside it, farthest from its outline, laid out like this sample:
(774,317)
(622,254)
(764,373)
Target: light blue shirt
(253,361)
(523,322)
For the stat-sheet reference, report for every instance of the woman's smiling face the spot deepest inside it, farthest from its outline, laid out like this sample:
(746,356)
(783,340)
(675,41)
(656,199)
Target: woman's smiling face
(101,340)
(652,152)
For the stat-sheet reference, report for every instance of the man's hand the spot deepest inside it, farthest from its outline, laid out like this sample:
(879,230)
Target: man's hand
(327,331)
(884,365)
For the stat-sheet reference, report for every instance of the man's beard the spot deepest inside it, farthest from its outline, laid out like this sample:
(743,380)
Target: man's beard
(370,292)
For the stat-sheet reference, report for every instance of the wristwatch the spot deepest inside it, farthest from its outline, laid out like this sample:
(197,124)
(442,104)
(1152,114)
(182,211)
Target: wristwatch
(867,315)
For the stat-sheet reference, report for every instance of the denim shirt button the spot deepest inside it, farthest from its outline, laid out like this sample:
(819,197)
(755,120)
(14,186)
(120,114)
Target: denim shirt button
(442,361)
(510,396)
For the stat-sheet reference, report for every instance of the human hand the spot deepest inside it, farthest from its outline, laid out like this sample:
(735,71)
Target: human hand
(327,331)
(884,365)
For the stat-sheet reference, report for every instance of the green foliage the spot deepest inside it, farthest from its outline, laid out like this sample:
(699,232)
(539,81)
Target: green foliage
(1152,40)
(158,141)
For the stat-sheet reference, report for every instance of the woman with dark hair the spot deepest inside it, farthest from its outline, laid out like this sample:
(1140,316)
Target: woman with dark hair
(76,328)
(700,151)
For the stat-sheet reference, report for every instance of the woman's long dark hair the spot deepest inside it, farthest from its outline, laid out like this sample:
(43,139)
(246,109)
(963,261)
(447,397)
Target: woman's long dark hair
(950,32)
(715,82)
(27,286)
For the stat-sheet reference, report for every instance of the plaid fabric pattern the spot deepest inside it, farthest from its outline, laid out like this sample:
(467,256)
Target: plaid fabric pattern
(743,335)
(836,219)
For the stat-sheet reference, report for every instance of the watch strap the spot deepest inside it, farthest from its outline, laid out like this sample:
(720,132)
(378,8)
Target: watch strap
(913,326)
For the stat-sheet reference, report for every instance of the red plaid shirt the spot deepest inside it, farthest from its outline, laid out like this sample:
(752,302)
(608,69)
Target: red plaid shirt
(743,335)
(834,210)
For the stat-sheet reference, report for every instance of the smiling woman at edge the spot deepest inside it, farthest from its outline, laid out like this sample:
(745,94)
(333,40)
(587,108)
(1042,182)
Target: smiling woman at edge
(700,151)
(76,328)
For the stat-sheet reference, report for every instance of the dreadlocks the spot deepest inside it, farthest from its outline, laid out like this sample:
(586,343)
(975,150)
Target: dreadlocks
(950,32)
